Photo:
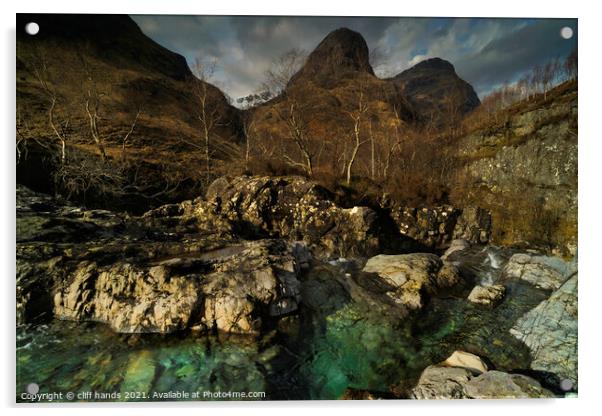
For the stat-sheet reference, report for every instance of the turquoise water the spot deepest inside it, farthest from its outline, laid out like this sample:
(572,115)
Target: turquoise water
(316,355)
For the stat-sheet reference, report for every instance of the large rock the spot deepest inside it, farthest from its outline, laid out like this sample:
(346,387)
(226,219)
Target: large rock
(550,332)
(466,360)
(413,275)
(128,298)
(230,293)
(545,272)
(440,382)
(295,208)
(500,385)
(487,295)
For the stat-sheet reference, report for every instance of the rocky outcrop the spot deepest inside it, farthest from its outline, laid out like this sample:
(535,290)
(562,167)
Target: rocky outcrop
(412,276)
(550,332)
(295,208)
(522,168)
(230,293)
(437,227)
(544,272)
(137,275)
(487,295)
(440,382)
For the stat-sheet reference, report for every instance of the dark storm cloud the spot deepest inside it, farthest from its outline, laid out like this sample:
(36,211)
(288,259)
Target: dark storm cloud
(486,52)
(506,58)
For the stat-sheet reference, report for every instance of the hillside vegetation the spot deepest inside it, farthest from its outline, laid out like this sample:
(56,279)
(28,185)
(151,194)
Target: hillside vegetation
(112,119)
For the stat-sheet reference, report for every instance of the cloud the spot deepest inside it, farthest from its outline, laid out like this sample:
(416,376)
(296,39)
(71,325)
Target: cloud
(416,59)
(485,52)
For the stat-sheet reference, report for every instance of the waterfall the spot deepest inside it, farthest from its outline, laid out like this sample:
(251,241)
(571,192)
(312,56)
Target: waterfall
(491,264)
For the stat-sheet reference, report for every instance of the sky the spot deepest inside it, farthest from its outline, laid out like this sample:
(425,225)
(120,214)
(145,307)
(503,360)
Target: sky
(486,52)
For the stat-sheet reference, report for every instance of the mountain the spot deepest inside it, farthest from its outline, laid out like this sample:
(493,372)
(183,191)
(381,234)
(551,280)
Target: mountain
(341,53)
(107,61)
(337,79)
(114,38)
(323,98)
(436,91)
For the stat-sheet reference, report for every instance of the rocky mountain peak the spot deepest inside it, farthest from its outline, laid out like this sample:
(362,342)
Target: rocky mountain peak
(435,90)
(436,64)
(342,51)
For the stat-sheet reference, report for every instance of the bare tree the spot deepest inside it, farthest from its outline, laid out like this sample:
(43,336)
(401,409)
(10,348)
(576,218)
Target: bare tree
(249,131)
(124,140)
(356,116)
(295,115)
(393,143)
(59,128)
(548,73)
(296,119)
(282,70)
(92,104)
(207,114)
(93,97)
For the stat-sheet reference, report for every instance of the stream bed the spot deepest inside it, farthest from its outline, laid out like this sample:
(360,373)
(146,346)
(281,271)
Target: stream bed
(307,356)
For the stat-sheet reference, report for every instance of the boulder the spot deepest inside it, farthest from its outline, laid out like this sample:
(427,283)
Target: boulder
(466,360)
(229,293)
(127,297)
(487,295)
(545,272)
(550,332)
(500,385)
(413,275)
(439,382)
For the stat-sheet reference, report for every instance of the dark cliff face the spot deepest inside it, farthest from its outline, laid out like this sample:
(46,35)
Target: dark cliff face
(436,91)
(341,52)
(114,38)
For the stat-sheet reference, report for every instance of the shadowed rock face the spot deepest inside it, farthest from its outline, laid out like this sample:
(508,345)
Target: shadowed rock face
(295,208)
(436,91)
(339,53)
